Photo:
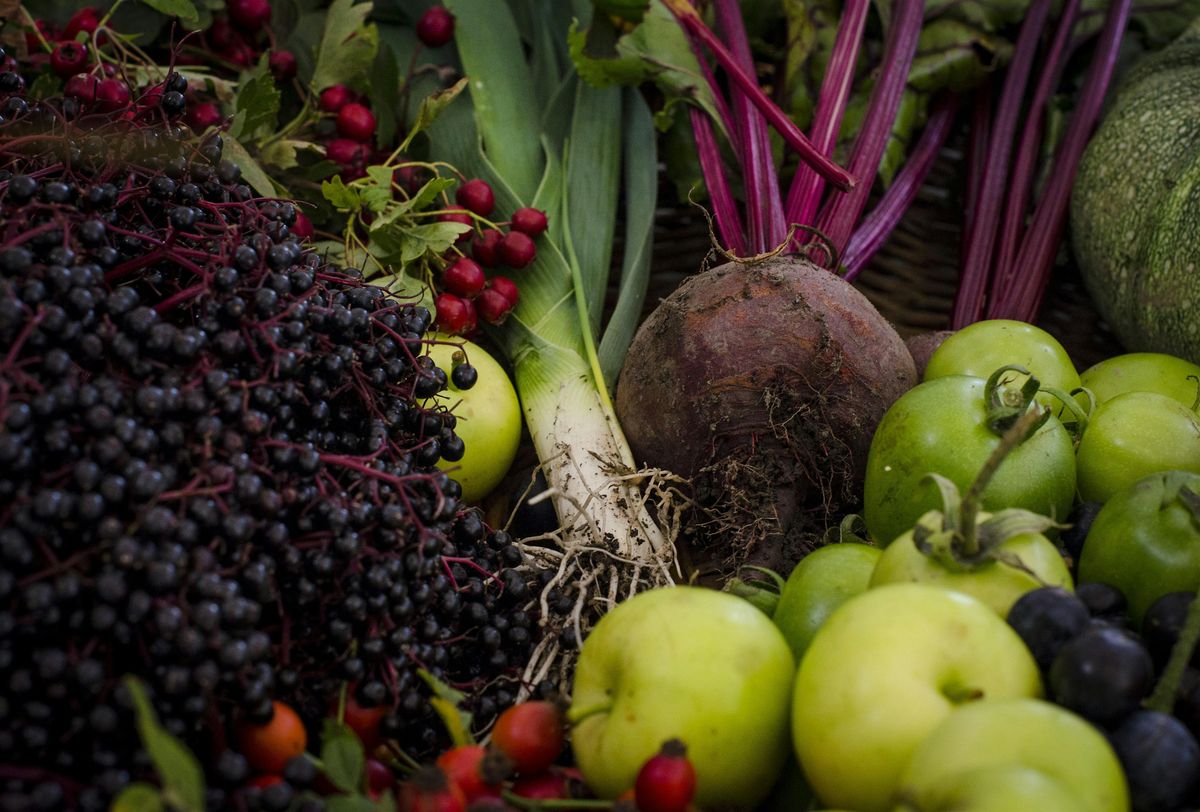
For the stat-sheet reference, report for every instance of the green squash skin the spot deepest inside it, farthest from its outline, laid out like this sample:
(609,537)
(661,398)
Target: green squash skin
(1136,203)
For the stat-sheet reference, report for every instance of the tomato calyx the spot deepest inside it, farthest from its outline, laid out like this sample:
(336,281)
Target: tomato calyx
(958,537)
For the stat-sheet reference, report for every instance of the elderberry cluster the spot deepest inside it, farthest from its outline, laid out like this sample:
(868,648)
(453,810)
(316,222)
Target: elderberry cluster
(217,471)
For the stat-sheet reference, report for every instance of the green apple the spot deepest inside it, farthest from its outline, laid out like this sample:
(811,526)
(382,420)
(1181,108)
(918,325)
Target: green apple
(690,663)
(1025,732)
(822,581)
(886,668)
(488,415)
(1029,561)
(993,788)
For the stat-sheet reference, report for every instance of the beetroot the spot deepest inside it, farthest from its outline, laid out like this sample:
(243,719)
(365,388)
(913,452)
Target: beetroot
(922,346)
(764,382)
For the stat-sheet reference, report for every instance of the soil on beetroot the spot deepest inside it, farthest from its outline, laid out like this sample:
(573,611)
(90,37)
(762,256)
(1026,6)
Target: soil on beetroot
(763,382)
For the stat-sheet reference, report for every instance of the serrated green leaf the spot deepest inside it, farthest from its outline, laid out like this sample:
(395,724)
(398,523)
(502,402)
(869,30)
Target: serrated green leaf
(343,757)
(381,175)
(45,86)
(178,769)
(431,107)
(282,154)
(429,238)
(429,192)
(138,797)
(257,104)
(348,45)
(185,10)
(350,803)
(343,197)
(594,52)
(252,173)
(631,11)
(321,170)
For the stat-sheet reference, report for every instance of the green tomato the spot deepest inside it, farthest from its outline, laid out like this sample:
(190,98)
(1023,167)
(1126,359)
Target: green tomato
(1132,436)
(981,348)
(822,581)
(1143,372)
(489,419)
(941,427)
(1145,541)
(1030,561)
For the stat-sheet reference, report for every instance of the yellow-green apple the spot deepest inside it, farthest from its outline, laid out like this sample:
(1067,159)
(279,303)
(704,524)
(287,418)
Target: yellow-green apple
(488,417)
(886,668)
(822,581)
(993,788)
(690,663)
(1022,732)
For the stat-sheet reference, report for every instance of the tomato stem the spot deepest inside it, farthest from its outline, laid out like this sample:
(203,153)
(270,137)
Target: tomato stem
(1016,434)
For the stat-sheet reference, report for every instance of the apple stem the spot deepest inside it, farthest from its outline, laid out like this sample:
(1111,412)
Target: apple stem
(1016,434)
(1163,698)
(577,715)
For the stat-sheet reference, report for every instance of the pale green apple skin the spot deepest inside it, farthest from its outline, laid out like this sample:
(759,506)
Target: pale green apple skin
(993,788)
(876,679)
(822,581)
(1028,732)
(689,663)
(997,584)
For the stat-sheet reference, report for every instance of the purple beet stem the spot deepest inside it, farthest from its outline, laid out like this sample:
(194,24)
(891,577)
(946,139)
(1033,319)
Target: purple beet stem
(977,140)
(804,196)
(725,210)
(878,225)
(981,240)
(1049,218)
(838,219)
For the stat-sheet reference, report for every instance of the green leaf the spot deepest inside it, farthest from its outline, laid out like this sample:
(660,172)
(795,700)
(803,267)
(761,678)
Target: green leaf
(138,797)
(410,243)
(282,154)
(350,803)
(429,192)
(343,757)
(431,107)
(348,45)
(252,173)
(185,10)
(257,105)
(952,54)
(340,195)
(631,11)
(178,769)
(448,703)
(501,87)
(45,86)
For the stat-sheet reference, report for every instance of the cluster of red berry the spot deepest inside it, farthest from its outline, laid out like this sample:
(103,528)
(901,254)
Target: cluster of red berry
(467,294)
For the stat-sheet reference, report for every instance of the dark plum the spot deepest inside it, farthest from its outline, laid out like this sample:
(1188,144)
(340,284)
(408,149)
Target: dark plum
(1161,760)
(1047,619)
(1102,674)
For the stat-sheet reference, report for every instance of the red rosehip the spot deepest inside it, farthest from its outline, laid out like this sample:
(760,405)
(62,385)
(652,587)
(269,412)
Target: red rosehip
(667,781)
(270,745)
(492,306)
(362,720)
(86,19)
(462,766)
(264,781)
(334,98)
(476,195)
(486,248)
(82,86)
(344,152)
(428,790)
(356,121)
(250,15)
(283,65)
(506,288)
(436,27)
(529,221)
(464,277)
(456,215)
(531,733)
(203,115)
(542,787)
(303,227)
(455,315)
(517,249)
(112,94)
(69,58)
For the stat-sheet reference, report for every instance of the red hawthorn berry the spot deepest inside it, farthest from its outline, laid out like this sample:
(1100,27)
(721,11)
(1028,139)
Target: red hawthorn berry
(531,733)
(112,94)
(380,778)
(86,19)
(462,766)
(428,790)
(250,15)
(283,65)
(344,152)
(506,288)
(542,787)
(456,215)
(493,307)
(303,227)
(455,315)
(240,54)
(667,781)
(47,31)
(68,58)
(82,86)
(529,221)
(517,249)
(436,27)
(203,115)
(269,746)
(356,121)
(486,248)
(221,35)
(476,195)
(464,277)
(334,98)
